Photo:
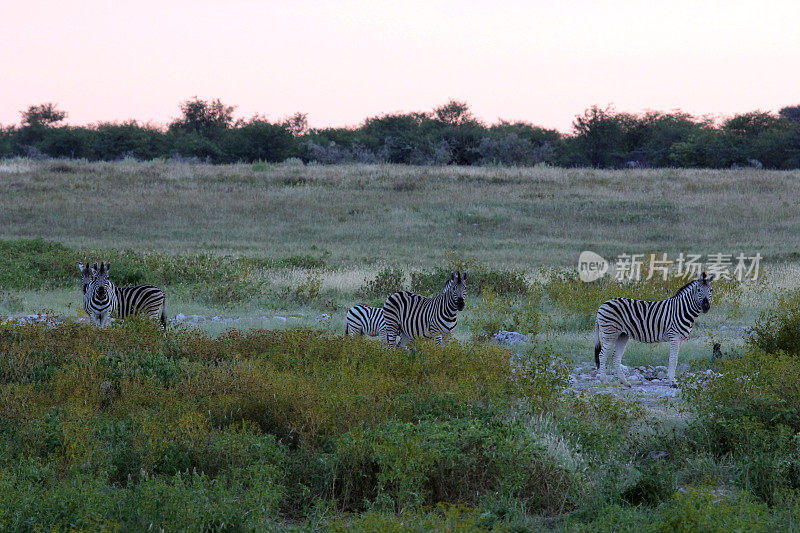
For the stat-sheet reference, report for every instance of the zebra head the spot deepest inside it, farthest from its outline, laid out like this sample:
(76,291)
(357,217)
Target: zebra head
(86,276)
(100,287)
(457,288)
(703,290)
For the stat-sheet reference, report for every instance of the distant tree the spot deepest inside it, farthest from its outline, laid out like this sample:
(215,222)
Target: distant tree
(42,115)
(297,124)
(454,113)
(711,148)
(129,139)
(751,124)
(600,135)
(207,119)
(661,131)
(258,139)
(398,138)
(791,113)
(7,134)
(525,130)
(71,142)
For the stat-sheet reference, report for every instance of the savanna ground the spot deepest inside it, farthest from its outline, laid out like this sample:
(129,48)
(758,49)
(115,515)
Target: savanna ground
(300,429)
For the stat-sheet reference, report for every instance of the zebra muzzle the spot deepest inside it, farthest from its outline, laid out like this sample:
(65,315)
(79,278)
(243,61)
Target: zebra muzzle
(460,303)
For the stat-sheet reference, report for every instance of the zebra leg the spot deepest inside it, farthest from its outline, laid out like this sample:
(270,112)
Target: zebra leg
(391,333)
(606,349)
(404,338)
(619,349)
(104,319)
(674,347)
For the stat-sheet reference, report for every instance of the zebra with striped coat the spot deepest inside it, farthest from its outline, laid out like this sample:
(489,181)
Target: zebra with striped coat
(102,299)
(410,315)
(669,320)
(365,320)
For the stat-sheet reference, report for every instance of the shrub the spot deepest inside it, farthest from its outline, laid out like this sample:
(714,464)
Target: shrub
(386,282)
(778,329)
(708,509)
(493,313)
(309,288)
(407,464)
(751,409)
(500,282)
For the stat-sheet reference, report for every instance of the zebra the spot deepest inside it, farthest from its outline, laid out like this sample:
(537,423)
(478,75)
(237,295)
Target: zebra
(102,299)
(411,315)
(365,320)
(669,320)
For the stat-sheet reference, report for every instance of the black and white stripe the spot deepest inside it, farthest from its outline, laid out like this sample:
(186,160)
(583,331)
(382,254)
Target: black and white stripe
(102,299)
(669,320)
(365,320)
(410,315)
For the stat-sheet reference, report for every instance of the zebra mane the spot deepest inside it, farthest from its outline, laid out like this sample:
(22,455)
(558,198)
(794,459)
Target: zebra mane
(682,289)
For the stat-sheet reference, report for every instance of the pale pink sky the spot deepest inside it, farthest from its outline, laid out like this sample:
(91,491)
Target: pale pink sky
(539,61)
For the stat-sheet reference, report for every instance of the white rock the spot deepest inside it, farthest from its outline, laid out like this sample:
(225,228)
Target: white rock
(509,337)
(180,317)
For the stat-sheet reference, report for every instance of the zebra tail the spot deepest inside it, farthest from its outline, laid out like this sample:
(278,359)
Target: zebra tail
(597,345)
(347,328)
(164,315)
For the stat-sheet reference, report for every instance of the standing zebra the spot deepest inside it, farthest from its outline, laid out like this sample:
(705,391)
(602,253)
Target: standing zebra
(365,320)
(669,320)
(101,298)
(411,315)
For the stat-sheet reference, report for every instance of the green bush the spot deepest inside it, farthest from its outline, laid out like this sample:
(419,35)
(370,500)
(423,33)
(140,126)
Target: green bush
(500,282)
(387,281)
(36,263)
(493,313)
(308,289)
(751,410)
(403,465)
(778,329)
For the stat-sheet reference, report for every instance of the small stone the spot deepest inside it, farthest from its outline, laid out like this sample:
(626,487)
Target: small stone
(509,337)
(324,316)
(657,455)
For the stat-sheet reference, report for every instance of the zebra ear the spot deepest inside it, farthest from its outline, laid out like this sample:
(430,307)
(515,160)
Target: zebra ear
(452,276)
(711,278)
(464,276)
(81,268)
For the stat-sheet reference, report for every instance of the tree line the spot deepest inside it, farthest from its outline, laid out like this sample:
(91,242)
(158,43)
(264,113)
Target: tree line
(207,131)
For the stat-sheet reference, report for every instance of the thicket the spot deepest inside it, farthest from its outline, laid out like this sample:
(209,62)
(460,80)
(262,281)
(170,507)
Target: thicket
(207,131)
(126,428)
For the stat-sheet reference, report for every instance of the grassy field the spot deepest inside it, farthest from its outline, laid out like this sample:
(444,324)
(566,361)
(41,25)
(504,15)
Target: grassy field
(349,222)
(297,429)
(364,215)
